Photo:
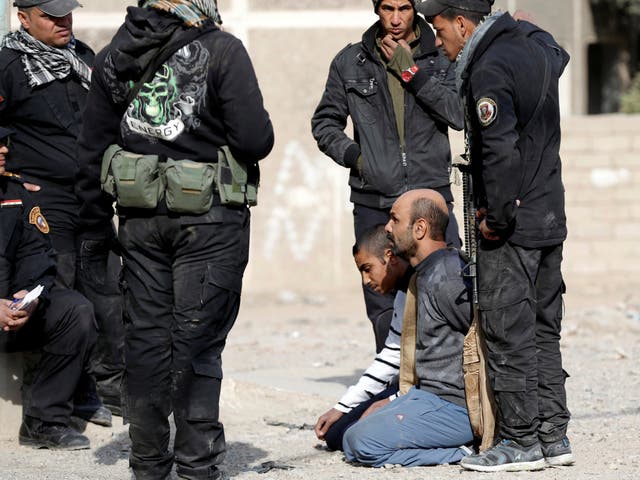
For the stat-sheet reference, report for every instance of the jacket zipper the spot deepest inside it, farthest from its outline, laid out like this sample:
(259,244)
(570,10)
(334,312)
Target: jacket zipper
(404,167)
(403,147)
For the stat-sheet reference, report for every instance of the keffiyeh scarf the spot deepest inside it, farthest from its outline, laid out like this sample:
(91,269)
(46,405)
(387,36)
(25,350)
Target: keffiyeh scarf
(192,12)
(44,64)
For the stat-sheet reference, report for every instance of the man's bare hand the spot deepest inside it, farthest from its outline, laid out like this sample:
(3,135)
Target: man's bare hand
(325,421)
(31,187)
(389,46)
(522,15)
(11,320)
(487,232)
(374,407)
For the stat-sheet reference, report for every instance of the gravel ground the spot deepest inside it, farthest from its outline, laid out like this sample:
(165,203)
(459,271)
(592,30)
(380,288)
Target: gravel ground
(284,368)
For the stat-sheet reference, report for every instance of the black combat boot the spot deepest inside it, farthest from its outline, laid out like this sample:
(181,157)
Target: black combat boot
(87,404)
(37,434)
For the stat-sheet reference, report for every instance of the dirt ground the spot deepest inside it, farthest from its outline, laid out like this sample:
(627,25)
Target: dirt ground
(291,356)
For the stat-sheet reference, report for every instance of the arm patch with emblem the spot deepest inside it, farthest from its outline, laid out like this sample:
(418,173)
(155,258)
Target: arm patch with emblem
(487,110)
(36,218)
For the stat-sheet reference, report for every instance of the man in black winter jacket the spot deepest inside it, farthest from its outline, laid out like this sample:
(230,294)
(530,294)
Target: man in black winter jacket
(508,75)
(182,267)
(399,91)
(44,78)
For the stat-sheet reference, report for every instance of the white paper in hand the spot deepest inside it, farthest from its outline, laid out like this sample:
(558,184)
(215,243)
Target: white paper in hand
(28,299)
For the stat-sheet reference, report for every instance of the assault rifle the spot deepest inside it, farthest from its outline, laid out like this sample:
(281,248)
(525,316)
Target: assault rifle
(463,164)
(480,402)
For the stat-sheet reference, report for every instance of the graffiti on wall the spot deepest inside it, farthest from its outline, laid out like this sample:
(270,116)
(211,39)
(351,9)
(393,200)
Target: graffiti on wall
(309,195)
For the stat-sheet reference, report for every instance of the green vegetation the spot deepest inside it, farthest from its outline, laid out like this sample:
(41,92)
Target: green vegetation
(630,7)
(630,100)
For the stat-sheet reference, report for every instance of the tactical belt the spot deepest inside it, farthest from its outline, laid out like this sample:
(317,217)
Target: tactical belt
(141,181)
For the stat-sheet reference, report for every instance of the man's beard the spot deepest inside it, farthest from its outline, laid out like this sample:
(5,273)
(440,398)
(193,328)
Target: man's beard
(402,251)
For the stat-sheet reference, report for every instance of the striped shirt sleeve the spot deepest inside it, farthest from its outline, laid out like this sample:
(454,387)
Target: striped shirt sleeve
(385,366)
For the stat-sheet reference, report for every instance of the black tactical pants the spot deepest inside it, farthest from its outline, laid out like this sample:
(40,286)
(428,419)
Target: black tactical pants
(64,332)
(520,294)
(182,279)
(89,267)
(380,307)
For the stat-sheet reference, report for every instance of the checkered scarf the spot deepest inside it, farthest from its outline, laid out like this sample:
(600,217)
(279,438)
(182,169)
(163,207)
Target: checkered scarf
(192,12)
(44,64)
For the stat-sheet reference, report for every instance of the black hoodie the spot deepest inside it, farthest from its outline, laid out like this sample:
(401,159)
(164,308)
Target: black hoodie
(205,96)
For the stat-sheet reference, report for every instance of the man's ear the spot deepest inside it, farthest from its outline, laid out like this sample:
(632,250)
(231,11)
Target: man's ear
(24,19)
(389,256)
(420,229)
(464,26)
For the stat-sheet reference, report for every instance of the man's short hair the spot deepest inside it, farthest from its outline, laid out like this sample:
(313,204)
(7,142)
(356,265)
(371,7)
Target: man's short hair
(374,241)
(451,13)
(437,218)
(376,4)
(433,8)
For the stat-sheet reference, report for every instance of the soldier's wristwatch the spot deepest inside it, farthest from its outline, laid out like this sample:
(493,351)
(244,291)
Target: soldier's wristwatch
(408,74)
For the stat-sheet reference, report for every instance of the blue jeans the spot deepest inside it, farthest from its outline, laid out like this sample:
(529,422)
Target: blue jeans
(418,428)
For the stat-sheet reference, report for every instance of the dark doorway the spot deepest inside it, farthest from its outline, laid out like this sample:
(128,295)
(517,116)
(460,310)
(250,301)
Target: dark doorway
(608,67)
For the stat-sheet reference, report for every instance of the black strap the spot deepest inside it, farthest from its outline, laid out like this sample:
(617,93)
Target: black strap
(171,47)
(543,96)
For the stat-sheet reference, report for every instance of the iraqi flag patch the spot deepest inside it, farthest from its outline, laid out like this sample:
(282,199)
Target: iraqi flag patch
(487,111)
(10,203)
(36,218)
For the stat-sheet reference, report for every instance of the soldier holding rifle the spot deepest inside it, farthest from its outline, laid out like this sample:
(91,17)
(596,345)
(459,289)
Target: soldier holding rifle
(507,75)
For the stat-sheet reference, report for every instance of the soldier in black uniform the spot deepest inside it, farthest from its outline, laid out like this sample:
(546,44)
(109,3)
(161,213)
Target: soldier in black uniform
(44,79)
(60,323)
(171,90)
(508,75)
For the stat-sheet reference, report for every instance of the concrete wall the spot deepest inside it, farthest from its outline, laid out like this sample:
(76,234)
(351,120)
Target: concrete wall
(10,398)
(602,180)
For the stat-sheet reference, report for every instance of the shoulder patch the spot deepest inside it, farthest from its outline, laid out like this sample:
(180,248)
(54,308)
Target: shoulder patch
(487,110)
(36,218)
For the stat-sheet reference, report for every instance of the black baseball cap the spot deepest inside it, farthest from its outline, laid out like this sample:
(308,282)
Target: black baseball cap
(55,8)
(431,8)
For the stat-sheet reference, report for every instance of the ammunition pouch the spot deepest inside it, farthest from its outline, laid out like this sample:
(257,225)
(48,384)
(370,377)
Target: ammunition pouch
(237,182)
(189,186)
(141,181)
(133,179)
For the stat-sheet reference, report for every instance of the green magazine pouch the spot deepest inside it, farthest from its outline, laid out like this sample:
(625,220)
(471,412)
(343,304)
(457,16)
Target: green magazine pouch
(189,186)
(237,181)
(106,177)
(132,178)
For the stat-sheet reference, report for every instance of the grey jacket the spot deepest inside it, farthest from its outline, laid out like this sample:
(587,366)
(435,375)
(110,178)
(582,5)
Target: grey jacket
(444,316)
(357,88)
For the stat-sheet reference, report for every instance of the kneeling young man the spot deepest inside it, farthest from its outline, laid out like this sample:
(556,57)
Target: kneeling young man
(383,272)
(429,425)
